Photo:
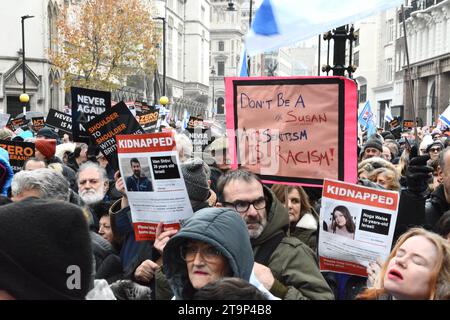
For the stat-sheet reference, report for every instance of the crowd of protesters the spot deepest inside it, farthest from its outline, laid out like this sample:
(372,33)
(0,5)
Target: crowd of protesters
(66,230)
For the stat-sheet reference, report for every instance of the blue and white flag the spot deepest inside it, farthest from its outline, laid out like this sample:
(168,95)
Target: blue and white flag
(281,23)
(243,71)
(366,116)
(387,114)
(445,117)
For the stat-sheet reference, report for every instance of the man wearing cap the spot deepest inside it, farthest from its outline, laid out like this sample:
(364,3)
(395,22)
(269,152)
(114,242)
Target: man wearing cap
(47,133)
(372,148)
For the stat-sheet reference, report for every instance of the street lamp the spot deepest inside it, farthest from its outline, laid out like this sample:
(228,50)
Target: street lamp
(164,53)
(213,74)
(24,98)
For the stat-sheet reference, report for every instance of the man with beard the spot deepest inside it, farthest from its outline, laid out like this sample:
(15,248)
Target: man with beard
(284,265)
(92,188)
(137,182)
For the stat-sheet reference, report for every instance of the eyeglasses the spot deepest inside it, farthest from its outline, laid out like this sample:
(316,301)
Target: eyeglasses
(242,206)
(435,149)
(209,254)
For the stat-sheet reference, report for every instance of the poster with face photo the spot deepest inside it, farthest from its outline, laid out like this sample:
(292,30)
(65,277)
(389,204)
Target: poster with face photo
(150,169)
(356,226)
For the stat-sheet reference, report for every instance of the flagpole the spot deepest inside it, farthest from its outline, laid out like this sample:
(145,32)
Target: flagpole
(411,91)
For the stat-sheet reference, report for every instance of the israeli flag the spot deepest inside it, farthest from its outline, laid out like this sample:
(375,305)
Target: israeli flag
(243,71)
(280,23)
(445,116)
(387,114)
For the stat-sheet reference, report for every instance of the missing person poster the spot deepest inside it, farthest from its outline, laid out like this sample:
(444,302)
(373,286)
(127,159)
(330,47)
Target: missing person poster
(356,226)
(150,168)
(18,152)
(86,105)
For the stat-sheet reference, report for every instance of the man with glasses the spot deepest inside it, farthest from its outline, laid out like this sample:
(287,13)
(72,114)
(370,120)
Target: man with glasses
(286,266)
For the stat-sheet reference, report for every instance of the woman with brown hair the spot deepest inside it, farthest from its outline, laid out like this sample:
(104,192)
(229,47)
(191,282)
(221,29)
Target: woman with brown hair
(418,268)
(303,219)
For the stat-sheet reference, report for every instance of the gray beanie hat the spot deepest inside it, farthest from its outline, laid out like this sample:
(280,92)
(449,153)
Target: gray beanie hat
(194,174)
(374,143)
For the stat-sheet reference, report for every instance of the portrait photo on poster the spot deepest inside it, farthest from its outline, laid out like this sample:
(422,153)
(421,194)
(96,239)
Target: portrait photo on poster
(137,174)
(341,222)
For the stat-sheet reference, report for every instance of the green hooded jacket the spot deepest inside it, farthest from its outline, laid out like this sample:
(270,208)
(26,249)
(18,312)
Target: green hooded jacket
(293,264)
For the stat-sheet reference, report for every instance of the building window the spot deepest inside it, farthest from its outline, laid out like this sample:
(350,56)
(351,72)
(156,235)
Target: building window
(356,59)
(220,106)
(357,38)
(221,68)
(170,47)
(390,30)
(221,46)
(362,93)
(180,52)
(389,69)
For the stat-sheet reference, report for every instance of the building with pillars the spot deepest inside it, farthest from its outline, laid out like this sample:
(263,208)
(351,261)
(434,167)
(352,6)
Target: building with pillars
(428,34)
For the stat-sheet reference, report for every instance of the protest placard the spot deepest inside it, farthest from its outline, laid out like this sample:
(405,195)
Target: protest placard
(147,117)
(104,128)
(296,130)
(18,152)
(200,138)
(408,124)
(86,105)
(4,119)
(194,122)
(150,168)
(356,226)
(37,123)
(59,121)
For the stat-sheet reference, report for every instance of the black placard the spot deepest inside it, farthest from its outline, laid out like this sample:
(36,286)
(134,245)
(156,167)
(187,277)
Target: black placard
(164,168)
(200,138)
(18,152)
(148,118)
(37,123)
(86,105)
(376,222)
(59,121)
(104,128)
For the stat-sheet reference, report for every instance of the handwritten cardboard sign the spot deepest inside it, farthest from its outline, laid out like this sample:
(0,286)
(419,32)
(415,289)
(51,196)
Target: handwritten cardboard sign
(296,130)
(104,128)
(86,105)
(18,152)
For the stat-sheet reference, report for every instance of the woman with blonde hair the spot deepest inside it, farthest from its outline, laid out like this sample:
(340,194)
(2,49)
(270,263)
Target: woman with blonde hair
(418,268)
(386,178)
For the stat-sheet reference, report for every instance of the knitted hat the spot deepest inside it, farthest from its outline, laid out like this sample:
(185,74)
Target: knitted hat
(45,250)
(194,173)
(48,133)
(373,143)
(46,146)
